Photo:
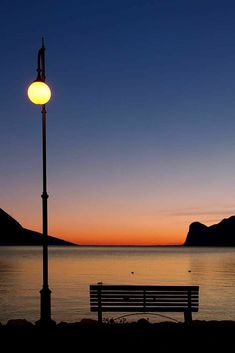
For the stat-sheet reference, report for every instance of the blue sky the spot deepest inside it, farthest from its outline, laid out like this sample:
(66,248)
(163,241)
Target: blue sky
(141,123)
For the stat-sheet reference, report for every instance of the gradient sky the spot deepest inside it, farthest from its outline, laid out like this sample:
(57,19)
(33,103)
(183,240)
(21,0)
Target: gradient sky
(141,125)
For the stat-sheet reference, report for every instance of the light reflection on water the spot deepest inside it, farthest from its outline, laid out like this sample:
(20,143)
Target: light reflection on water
(72,270)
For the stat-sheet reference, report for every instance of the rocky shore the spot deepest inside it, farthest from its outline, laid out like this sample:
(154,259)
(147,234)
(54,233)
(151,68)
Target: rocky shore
(141,335)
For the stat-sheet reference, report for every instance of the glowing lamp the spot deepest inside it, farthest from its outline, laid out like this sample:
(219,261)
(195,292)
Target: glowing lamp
(39,92)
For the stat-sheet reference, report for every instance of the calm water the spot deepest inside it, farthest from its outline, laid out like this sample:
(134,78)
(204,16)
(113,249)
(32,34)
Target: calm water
(72,270)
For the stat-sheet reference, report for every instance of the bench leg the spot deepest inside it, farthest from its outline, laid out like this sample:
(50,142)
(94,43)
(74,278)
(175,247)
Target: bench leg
(99,316)
(188,317)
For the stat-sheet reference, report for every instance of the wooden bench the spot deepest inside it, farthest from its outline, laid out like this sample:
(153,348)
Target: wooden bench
(144,299)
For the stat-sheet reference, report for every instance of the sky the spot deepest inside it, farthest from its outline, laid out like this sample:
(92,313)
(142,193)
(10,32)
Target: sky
(140,127)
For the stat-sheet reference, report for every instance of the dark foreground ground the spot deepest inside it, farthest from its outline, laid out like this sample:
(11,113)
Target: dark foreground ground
(87,336)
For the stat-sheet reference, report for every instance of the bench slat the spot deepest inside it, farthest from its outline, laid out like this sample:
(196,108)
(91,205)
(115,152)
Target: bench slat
(140,287)
(156,302)
(150,294)
(147,304)
(140,310)
(103,290)
(141,291)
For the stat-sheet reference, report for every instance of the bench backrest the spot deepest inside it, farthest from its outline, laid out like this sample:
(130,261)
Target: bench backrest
(143,298)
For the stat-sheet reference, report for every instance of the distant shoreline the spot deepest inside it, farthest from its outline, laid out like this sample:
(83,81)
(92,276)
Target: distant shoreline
(130,246)
(117,246)
(92,246)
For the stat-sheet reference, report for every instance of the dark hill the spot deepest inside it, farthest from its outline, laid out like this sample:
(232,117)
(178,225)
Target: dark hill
(12,233)
(221,234)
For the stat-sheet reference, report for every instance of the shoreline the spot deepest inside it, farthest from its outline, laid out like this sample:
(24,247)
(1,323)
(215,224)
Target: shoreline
(162,336)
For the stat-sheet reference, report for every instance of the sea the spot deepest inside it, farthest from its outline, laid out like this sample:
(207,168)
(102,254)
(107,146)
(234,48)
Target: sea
(73,269)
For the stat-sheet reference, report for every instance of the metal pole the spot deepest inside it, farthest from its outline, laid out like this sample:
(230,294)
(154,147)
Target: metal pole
(45,291)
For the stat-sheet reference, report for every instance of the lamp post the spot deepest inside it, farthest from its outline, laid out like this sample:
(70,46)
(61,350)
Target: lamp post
(40,93)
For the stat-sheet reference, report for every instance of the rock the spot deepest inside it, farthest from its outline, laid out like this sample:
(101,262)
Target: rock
(19,323)
(12,233)
(221,234)
(89,322)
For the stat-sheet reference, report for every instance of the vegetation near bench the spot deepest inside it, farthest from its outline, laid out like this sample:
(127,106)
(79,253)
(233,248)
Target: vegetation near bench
(144,299)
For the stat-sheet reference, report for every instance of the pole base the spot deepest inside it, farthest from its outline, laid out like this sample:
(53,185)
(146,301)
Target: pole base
(45,323)
(45,319)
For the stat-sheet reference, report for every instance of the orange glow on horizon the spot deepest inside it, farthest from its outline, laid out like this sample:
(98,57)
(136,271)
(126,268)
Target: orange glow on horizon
(111,236)
(113,229)
(101,233)
(110,231)
(114,242)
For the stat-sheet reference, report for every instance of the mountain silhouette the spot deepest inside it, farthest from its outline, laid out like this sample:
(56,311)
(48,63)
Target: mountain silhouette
(221,234)
(12,233)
